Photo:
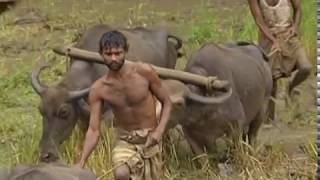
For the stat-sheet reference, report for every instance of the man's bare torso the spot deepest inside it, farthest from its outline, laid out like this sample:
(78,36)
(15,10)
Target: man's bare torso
(130,98)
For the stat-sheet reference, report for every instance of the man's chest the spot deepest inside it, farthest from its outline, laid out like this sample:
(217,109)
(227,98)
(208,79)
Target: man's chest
(127,91)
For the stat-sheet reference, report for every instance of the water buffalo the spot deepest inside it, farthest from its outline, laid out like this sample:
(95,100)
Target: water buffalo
(240,106)
(245,68)
(60,107)
(6,4)
(47,172)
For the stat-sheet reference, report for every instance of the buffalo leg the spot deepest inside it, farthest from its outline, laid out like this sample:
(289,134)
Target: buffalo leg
(237,131)
(255,125)
(197,146)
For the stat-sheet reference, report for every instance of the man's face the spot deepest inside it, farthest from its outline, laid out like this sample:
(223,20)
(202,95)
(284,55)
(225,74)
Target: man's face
(114,58)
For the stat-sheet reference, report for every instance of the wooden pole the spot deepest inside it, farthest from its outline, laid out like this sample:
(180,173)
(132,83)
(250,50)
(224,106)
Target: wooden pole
(210,82)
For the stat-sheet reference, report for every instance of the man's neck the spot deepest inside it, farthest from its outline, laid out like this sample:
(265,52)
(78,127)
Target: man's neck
(119,73)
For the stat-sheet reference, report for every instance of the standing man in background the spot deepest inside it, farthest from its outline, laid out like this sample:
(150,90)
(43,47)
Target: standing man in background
(279,38)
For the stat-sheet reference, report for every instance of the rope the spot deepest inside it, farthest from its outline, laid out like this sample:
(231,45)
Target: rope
(211,82)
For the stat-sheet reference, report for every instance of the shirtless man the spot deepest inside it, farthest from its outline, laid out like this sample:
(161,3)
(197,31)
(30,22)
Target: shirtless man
(279,38)
(129,90)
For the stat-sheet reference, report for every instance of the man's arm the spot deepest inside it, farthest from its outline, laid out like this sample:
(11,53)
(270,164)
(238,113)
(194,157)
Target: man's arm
(93,132)
(161,94)
(297,13)
(257,15)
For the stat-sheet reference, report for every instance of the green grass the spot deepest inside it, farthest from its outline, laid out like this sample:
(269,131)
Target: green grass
(307,30)
(23,46)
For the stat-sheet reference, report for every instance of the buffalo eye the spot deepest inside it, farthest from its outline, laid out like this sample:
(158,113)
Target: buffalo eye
(63,112)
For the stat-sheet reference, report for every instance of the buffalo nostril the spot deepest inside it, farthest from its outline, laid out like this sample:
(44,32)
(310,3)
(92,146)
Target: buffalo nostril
(45,156)
(48,157)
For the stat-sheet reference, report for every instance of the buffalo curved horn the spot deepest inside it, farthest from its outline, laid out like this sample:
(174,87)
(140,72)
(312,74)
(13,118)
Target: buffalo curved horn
(36,85)
(207,99)
(73,95)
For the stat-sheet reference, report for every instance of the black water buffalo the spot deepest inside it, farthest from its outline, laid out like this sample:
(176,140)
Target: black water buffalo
(6,4)
(245,68)
(46,172)
(60,107)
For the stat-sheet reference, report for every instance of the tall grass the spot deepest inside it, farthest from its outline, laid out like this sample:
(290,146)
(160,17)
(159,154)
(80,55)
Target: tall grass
(23,46)
(308,30)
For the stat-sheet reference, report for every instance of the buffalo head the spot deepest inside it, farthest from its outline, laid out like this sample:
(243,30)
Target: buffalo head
(181,95)
(59,111)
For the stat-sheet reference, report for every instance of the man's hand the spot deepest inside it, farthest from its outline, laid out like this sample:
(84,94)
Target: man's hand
(293,31)
(274,48)
(153,138)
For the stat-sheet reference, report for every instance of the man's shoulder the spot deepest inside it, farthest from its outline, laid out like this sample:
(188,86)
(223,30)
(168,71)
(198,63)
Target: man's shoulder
(97,83)
(96,86)
(144,68)
(95,91)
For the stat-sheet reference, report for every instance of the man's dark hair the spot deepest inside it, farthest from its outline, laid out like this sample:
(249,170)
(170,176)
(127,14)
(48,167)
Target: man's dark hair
(113,39)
